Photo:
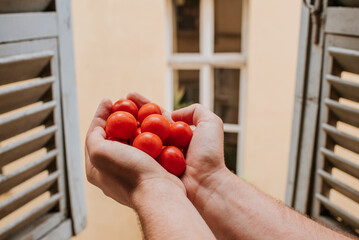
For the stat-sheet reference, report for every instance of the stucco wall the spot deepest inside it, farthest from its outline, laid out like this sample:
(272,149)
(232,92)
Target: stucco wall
(272,58)
(120,47)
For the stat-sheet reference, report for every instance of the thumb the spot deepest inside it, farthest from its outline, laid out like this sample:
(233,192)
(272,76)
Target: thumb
(195,114)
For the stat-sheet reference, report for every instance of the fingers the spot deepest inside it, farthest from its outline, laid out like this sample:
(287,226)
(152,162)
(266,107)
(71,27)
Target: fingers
(92,174)
(101,115)
(138,99)
(103,153)
(194,114)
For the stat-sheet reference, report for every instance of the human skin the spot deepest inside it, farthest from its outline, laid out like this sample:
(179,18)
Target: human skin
(232,208)
(133,178)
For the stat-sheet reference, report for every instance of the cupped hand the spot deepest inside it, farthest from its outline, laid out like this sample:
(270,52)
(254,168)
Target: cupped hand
(118,169)
(205,158)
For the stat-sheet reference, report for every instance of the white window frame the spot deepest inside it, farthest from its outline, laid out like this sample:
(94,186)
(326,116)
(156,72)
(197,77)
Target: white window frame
(205,61)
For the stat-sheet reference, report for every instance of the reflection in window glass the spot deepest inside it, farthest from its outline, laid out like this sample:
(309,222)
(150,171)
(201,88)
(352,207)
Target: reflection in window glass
(230,151)
(186,26)
(228,25)
(186,88)
(226,94)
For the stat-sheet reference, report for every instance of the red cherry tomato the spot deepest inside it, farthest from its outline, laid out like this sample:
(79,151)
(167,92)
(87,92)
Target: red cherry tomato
(148,109)
(125,105)
(172,159)
(138,132)
(107,133)
(157,124)
(149,143)
(121,125)
(180,134)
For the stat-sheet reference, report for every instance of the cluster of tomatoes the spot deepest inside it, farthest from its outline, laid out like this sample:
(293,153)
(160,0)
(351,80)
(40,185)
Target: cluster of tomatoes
(148,130)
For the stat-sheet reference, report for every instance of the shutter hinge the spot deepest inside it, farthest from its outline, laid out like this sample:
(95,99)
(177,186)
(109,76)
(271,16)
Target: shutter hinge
(315,10)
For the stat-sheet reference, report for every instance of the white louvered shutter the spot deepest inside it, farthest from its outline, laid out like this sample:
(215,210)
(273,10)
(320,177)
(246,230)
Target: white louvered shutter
(338,140)
(36,186)
(324,169)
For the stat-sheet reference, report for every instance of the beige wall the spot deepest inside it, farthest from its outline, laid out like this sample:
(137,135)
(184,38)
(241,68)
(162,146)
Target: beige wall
(272,57)
(120,47)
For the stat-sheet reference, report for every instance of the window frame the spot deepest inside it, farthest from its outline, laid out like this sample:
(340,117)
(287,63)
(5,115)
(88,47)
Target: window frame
(205,61)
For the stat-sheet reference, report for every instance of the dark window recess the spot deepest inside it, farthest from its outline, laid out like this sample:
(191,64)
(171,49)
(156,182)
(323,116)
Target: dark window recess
(230,151)
(186,88)
(228,25)
(226,94)
(186,27)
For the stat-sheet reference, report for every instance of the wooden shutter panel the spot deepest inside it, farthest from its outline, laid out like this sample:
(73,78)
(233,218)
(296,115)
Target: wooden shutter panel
(30,90)
(324,162)
(41,191)
(341,55)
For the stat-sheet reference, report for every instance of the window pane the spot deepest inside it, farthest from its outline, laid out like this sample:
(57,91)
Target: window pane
(186,88)
(230,151)
(186,26)
(226,94)
(228,25)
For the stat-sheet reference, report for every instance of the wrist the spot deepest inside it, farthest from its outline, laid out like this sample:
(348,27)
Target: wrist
(208,187)
(154,190)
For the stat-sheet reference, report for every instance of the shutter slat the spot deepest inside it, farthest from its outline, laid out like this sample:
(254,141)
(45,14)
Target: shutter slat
(347,58)
(21,175)
(341,163)
(343,139)
(26,120)
(337,211)
(339,186)
(28,218)
(30,92)
(344,113)
(347,89)
(26,196)
(339,20)
(22,67)
(26,146)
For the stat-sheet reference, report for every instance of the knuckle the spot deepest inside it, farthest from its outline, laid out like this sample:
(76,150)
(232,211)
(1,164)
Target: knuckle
(96,154)
(198,106)
(219,120)
(90,176)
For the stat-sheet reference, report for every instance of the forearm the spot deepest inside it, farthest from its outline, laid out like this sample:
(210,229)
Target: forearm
(166,213)
(246,213)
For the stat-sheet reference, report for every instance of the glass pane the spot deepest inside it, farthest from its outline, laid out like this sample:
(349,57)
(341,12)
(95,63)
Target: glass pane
(186,26)
(230,151)
(226,94)
(186,88)
(228,25)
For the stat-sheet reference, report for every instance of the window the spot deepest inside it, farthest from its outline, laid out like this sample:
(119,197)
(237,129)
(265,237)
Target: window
(206,63)
(324,166)
(41,193)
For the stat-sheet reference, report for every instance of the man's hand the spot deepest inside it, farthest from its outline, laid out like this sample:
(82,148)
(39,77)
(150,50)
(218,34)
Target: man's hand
(133,178)
(205,168)
(121,171)
(205,157)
